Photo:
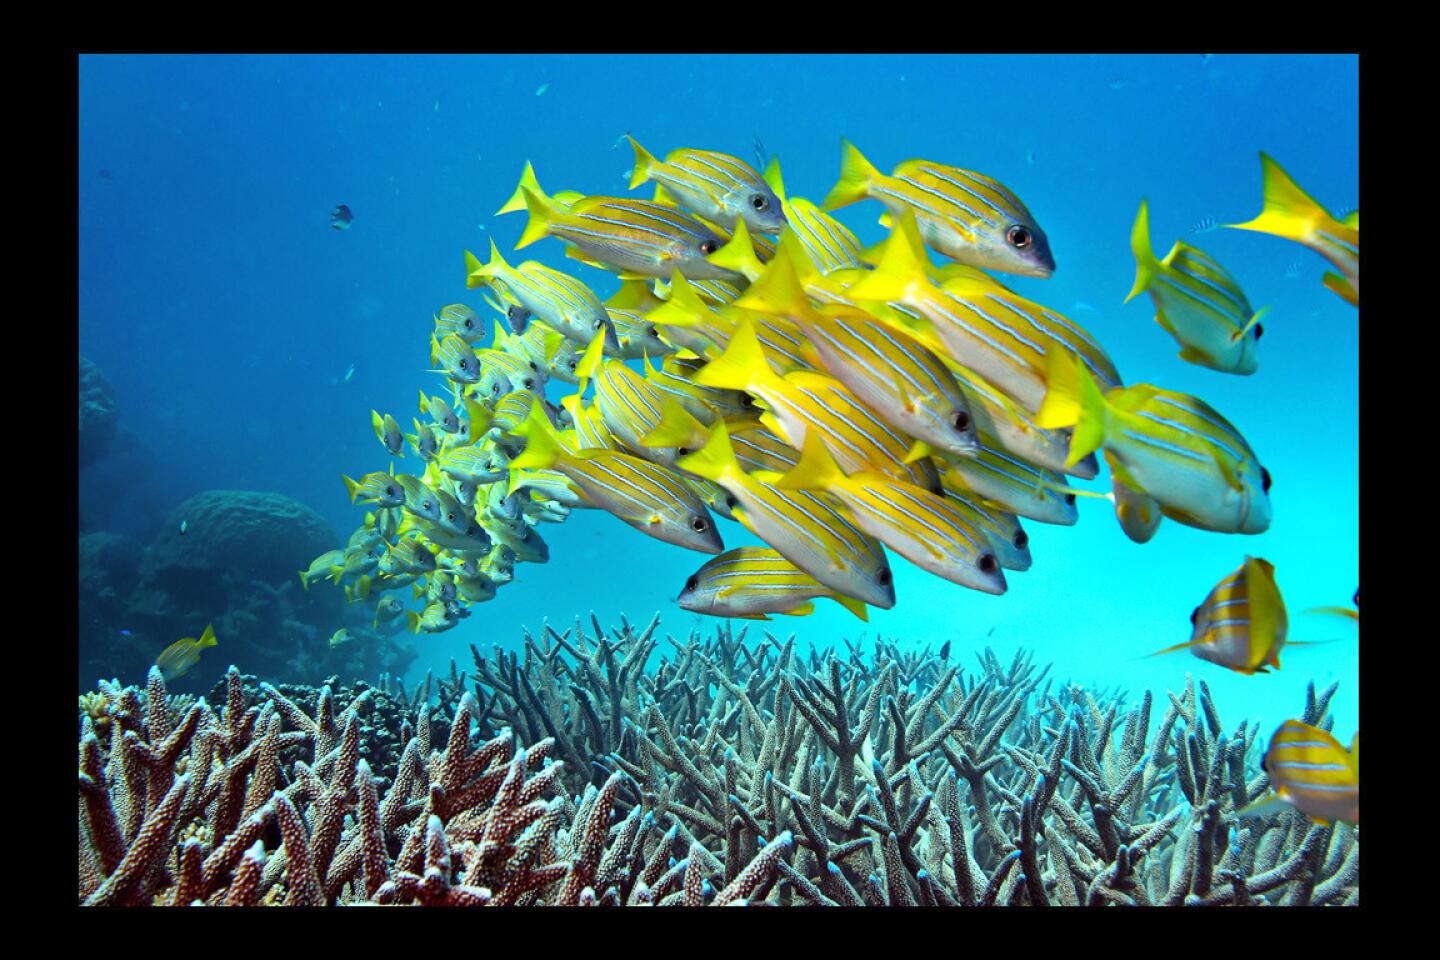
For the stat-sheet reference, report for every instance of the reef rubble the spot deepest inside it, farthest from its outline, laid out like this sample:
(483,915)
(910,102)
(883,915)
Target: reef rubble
(615,767)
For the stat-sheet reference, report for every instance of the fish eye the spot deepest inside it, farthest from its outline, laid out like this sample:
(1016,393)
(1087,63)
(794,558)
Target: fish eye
(1022,540)
(691,584)
(759,201)
(450,516)
(572,365)
(534,366)
(651,332)
(988,563)
(1194,615)
(1265,479)
(1356,598)
(425,505)
(1018,237)
(961,421)
(682,451)
(1259,330)
(391,492)
(1070,499)
(699,524)
(885,578)
(707,247)
(469,323)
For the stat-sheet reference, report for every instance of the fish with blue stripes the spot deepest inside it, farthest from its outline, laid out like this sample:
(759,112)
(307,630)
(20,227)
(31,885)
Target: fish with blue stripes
(806,527)
(1197,302)
(1242,623)
(926,529)
(1012,484)
(1292,213)
(965,215)
(712,185)
(751,582)
(1310,771)
(645,495)
(1174,447)
(564,303)
(1000,335)
(181,656)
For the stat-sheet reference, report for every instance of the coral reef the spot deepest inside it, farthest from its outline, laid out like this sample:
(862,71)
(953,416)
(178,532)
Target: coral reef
(98,413)
(575,772)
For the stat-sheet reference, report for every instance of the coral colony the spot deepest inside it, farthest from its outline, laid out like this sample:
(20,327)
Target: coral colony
(614,767)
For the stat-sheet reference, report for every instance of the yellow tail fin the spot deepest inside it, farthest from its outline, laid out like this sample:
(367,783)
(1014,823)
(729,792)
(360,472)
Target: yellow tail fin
(644,163)
(778,290)
(815,470)
(1146,266)
(738,254)
(543,212)
(902,262)
(677,427)
(741,366)
(1289,212)
(517,199)
(542,444)
(1072,399)
(856,175)
(716,459)
(856,607)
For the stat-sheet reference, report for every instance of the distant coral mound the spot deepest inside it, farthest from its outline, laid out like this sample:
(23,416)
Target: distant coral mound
(98,413)
(235,565)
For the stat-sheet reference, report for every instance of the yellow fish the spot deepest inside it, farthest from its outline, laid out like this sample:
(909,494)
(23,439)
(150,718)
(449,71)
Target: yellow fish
(177,659)
(1242,623)
(1312,772)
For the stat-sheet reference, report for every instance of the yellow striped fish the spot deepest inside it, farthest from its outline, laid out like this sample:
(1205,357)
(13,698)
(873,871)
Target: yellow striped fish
(889,371)
(807,528)
(828,242)
(1173,447)
(503,372)
(460,320)
(590,431)
(783,344)
(1013,429)
(855,435)
(647,496)
(1009,540)
(713,185)
(636,334)
(387,431)
(455,359)
(1242,623)
(1197,302)
(965,215)
(758,448)
(1014,485)
(633,409)
(750,582)
(564,303)
(716,293)
(637,238)
(1001,336)
(378,487)
(554,354)
(922,527)
(1312,772)
(675,378)
(181,656)
(1292,213)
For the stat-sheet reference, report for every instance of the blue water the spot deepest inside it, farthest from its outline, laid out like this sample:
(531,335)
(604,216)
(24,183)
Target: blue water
(225,311)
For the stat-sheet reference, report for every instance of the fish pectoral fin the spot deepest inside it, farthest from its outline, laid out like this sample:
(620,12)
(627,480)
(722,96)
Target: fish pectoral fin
(1341,286)
(1265,806)
(1196,356)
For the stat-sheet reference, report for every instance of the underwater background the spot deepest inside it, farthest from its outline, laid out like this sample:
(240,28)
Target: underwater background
(223,314)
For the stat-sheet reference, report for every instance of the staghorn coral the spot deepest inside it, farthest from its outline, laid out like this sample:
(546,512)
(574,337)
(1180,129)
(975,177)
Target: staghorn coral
(573,772)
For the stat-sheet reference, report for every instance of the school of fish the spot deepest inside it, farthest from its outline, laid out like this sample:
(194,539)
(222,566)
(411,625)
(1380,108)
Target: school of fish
(758,364)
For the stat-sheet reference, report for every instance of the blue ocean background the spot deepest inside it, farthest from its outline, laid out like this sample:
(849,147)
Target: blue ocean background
(225,312)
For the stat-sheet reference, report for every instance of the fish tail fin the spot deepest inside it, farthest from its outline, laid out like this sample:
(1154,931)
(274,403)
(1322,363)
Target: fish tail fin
(543,212)
(684,308)
(902,261)
(351,486)
(644,163)
(542,444)
(738,254)
(677,427)
(304,584)
(207,639)
(742,364)
(474,275)
(592,358)
(1146,266)
(815,470)
(1341,287)
(378,422)
(856,175)
(778,289)
(412,620)
(527,182)
(631,294)
(1288,211)
(1072,399)
(716,459)
(856,607)
(493,267)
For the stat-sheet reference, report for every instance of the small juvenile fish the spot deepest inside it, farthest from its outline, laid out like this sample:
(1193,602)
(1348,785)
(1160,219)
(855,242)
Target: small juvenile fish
(1242,623)
(339,638)
(387,611)
(341,217)
(184,526)
(965,215)
(562,302)
(1310,771)
(349,372)
(750,582)
(540,90)
(460,320)
(1294,270)
(177,659)
(1204,225)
